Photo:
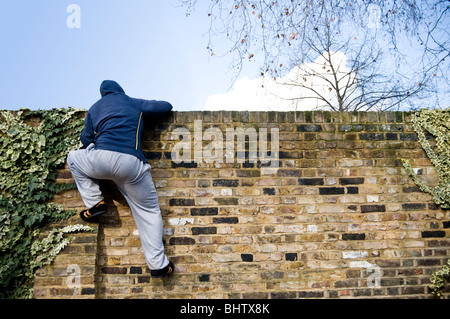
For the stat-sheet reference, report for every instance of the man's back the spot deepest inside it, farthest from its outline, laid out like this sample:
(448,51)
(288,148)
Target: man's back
(115,122)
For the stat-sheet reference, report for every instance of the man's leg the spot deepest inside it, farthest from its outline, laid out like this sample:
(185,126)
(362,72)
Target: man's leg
(134,181)
(81,169)
(142,198)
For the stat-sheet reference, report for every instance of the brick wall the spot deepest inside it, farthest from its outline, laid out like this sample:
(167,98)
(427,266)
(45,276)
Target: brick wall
(338,218)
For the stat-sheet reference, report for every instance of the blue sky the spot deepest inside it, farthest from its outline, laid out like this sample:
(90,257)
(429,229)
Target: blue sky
(149,46)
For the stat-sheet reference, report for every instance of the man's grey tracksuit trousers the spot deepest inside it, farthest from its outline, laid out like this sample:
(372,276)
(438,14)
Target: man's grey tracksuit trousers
(133,178)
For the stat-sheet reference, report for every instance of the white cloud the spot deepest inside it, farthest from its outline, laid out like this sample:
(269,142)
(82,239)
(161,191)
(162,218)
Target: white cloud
(284,94)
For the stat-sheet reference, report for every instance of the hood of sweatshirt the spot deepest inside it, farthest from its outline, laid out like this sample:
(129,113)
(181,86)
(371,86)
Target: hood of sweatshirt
(108,87)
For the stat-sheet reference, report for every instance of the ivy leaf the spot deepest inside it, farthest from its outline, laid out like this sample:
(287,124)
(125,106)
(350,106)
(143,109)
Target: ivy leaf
(15,155)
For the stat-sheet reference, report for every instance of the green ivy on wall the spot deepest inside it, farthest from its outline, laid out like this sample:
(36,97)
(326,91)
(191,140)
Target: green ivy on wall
(436,123)
(33,145)
(438,280)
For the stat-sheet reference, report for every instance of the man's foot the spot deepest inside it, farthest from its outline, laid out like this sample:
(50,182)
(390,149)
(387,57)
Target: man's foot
(165,272)
(92,214)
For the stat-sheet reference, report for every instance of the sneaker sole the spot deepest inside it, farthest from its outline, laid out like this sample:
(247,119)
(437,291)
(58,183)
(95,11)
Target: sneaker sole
(93,216)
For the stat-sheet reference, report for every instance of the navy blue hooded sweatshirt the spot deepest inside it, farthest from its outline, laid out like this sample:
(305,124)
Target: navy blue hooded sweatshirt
(115,122)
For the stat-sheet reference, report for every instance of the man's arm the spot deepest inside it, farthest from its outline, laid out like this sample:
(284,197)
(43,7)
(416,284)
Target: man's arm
(88,134)
(153,107)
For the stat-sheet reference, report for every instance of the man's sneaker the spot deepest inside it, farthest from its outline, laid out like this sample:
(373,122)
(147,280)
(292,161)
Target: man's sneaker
(165,272)
(92,214)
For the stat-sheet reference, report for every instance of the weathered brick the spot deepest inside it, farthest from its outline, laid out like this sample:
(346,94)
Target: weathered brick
(391,128)
(61,292)
(204,230)
(225,220)
(204,211)
(204,278)
(433,233)
(269,191)
(311,181)
(289,173)
(291,256)
(372,208)
(331,190)
(226,182)
(184,165)
(114,270)
(283,295)
(391,136)
(181,241)
(247,257)
(351,180)
(350,128)
(88,291)
(181,202)
(310,294)
(248,173)
(413,206)
(428,262)
(371,127)
(411,189)
(371,136)
(287,155)
(412,290)
(409,137)
(135,270)
(353,236)
(143,279)
(346,283)
(227,201)
(391,281)
(309,128)
(362,292)
(64,174)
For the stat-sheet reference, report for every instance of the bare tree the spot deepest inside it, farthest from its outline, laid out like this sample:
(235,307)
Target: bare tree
(350,70)
(396,51)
